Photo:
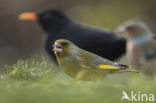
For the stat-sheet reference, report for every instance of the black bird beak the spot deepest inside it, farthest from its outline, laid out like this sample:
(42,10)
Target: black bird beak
(57,48)
(29,16)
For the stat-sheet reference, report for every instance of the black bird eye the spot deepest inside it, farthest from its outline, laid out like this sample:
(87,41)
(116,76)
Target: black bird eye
(46,16)
(64,44)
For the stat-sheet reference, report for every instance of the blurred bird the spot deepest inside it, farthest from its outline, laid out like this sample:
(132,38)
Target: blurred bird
(57,25)
(141,46)
(84,65)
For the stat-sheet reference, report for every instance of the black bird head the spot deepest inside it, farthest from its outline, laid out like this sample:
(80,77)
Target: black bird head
(50,20)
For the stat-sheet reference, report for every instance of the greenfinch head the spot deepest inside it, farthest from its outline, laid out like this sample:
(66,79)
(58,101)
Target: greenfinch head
(62,47)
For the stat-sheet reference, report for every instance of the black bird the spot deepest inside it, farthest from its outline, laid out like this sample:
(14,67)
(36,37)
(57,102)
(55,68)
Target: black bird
(58,26)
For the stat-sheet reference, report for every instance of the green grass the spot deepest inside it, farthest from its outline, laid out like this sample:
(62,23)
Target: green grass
(40,82)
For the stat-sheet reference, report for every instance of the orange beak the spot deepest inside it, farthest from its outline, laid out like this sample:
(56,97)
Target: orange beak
(29,16)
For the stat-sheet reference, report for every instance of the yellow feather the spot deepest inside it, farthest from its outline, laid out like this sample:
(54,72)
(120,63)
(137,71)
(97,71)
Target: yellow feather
(107,67)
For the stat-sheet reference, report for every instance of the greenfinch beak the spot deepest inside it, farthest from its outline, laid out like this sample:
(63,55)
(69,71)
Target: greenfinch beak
(57,48)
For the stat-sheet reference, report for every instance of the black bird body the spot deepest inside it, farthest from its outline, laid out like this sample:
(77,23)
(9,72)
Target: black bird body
(102,43)
(58,26)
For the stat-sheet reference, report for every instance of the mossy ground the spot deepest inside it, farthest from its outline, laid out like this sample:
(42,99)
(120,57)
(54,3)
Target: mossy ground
(37,82)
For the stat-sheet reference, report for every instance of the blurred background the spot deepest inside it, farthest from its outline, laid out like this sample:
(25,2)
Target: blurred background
(22,40)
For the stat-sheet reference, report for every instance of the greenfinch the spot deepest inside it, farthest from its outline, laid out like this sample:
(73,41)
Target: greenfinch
(83,65)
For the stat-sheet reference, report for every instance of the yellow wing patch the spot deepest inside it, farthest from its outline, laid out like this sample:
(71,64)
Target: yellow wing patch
(109,67)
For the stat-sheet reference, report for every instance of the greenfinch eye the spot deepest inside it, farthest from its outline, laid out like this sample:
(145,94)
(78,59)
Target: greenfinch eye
(64,44)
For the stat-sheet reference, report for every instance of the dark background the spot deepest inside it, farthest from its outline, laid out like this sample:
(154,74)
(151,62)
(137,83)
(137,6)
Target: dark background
(22,40)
